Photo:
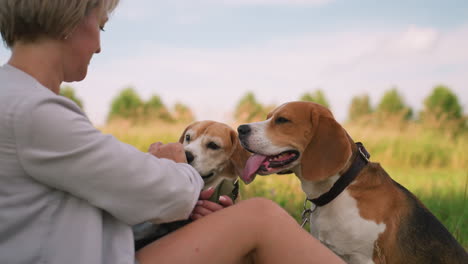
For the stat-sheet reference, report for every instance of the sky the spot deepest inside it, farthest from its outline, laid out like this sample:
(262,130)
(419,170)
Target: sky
(207,54)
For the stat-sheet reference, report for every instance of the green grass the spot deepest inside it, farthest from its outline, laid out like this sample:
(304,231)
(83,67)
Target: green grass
(413,145)
(142,137)
(431,164)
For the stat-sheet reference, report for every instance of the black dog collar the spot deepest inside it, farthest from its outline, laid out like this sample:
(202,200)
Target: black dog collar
(360,160)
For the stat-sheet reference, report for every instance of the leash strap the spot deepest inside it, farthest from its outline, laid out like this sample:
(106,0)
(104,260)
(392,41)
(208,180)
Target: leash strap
(360,161)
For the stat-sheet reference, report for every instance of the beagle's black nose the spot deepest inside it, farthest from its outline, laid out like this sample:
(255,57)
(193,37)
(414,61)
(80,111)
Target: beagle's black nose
(243,130)
(189,156)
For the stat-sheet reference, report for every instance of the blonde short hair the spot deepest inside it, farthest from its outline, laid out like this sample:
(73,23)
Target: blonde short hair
(29,20)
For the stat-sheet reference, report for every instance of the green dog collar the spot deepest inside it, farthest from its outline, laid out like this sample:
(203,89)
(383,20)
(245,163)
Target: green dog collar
(226,187)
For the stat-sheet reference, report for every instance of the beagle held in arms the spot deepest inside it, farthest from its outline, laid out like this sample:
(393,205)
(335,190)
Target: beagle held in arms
(360,212)
(214,150)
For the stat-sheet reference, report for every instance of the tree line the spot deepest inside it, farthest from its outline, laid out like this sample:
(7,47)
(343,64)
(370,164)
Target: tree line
(441,108)
(128,105)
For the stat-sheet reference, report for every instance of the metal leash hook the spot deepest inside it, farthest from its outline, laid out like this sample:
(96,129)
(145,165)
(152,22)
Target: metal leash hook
(306,212)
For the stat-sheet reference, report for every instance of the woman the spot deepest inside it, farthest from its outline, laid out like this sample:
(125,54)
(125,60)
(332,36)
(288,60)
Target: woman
(69,194)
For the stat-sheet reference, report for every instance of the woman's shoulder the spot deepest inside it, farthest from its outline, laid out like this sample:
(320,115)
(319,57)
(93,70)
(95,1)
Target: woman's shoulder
(15,82)
(21,91)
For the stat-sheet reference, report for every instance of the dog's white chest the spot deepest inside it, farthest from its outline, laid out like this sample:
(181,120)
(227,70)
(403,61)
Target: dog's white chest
(339,226)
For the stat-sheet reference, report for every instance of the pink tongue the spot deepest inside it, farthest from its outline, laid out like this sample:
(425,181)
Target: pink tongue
(251,167)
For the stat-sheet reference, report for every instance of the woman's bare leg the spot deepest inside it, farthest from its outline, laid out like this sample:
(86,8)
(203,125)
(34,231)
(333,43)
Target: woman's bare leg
(256,229)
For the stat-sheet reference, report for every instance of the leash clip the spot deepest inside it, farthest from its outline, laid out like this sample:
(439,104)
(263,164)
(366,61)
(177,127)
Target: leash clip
(362,150)
(307,211)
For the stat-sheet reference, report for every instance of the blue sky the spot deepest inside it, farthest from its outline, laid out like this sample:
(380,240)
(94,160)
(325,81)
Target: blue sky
(209,53)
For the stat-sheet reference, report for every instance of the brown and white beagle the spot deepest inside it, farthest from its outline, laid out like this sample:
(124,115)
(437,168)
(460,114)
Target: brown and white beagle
(361,213)
(214,150)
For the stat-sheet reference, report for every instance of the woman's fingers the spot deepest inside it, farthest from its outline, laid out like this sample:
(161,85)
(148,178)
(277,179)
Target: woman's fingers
(206,194)
(173,151)
(208,207)
(205,208)
(225,201)
(154,147)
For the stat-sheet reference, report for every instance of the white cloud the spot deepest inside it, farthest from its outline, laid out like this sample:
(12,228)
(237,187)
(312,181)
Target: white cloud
(417,39)
(342,64)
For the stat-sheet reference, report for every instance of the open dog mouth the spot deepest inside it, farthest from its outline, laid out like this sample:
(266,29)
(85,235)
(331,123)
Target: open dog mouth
(207,176)
(264,165)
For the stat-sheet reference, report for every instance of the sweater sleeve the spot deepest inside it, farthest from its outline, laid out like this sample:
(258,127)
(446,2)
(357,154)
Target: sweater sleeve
(59,147)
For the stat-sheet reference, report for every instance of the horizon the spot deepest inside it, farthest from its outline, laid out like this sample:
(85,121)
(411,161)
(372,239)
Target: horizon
(208,54)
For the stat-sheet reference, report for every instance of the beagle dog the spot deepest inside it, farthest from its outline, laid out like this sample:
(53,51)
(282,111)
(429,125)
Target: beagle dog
(214,150)
(360,212)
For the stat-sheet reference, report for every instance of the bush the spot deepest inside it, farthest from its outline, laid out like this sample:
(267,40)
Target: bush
(249,110)
(69,92)
(359,107)
(392,104)
(154,108)
(442,103)
(182,113)
(126,105)
(316,97)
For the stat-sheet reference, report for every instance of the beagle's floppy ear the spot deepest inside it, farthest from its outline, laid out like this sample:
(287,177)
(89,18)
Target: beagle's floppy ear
(239,155)
(182,137)
(328,150)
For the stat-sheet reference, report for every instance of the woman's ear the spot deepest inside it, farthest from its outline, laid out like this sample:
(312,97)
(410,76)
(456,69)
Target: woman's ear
(328,150)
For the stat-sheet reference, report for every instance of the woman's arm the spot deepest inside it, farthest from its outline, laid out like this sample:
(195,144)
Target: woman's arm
(59,147)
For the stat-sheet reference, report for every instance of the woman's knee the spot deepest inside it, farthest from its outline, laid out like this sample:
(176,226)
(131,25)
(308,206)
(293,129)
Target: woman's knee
(263,208)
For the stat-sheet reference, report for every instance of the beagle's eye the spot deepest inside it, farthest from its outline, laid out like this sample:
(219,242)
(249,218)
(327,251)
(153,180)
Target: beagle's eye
(281,120)
(187,138)
(212,145)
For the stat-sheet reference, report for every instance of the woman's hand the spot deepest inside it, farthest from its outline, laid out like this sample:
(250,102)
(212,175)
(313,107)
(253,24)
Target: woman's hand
(172,151)
(205,207)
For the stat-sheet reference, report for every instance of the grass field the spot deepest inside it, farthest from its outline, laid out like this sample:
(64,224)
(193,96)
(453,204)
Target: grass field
(431,164)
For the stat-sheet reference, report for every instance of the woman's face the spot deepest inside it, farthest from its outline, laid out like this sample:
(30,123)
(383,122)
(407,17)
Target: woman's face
(80,46)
